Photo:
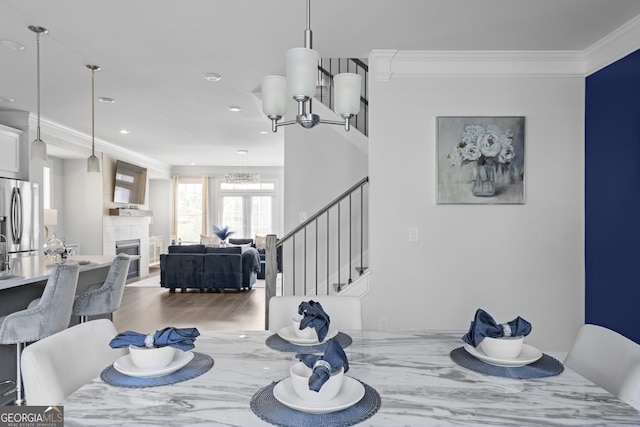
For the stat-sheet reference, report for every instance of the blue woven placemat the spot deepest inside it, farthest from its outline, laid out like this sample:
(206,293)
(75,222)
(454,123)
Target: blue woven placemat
(276,342)
(546,366)
(200,364)
(267,408)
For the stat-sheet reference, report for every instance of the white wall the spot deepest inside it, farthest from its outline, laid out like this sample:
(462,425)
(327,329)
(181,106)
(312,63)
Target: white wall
(81,211)
(511,260)
(160,194)
(320,164)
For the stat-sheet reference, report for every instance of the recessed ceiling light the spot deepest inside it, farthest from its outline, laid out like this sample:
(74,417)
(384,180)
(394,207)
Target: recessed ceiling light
(235,108)
(193,163)
(124,131)
(263,132)
(213,77)
(242,152)
(3,99)
(11,45)
(107,100)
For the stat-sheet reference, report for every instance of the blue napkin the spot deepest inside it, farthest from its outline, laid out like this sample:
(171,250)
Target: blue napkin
(314,317)
(483,325)
(323,366)
(174,337)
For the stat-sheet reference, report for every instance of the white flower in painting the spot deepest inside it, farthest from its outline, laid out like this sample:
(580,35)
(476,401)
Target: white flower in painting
(455,157)
(471,152)
(489,145)
(472,133)
(481,145)
(506,155)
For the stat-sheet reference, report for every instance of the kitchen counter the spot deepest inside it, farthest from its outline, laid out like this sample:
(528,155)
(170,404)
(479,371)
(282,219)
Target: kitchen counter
(28,270)
(27,279)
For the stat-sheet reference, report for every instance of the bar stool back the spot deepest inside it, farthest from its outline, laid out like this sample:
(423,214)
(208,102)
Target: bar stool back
(104,298)
(43,317)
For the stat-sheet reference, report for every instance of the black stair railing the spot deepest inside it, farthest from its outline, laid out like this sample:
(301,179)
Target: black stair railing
(334,238)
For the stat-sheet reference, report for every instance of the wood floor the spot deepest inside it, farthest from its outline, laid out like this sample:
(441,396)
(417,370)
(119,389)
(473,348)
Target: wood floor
(147,309)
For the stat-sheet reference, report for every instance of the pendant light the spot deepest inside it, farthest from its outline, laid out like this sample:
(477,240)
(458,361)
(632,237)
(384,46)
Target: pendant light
(38,147)
(300,84)
(93,164)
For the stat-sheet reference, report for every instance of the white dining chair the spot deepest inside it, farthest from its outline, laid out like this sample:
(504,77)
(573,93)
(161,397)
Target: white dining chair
(58,365)
(345,312)
(609,360)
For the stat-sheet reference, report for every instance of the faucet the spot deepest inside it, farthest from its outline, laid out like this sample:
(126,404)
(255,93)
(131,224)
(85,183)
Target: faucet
(4,262)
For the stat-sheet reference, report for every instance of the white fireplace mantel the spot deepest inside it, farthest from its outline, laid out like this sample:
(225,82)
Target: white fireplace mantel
(117,228)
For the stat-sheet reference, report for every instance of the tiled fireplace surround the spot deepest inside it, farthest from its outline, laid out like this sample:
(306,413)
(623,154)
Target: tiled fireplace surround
(117,228)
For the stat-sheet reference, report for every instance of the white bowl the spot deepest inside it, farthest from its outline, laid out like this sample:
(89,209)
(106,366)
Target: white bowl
(300,374)
(502,348)
(307,333)
(151,358)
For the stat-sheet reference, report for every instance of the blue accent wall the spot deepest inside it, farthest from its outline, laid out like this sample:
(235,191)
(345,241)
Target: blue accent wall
(612,197)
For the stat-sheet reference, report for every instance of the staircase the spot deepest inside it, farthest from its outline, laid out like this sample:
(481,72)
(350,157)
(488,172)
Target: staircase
(326,254)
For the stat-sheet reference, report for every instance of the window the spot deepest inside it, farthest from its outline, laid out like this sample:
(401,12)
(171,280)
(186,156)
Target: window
(247,208)
(189,210)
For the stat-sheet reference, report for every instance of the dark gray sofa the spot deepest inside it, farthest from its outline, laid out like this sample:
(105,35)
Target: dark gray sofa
(204,267)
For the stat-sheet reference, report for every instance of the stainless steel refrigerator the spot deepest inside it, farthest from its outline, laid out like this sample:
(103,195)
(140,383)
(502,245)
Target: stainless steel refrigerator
(19,216)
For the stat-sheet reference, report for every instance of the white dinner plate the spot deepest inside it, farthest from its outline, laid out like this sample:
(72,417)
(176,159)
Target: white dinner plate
(529,354)
(125,365)
(287,333)
(350,393)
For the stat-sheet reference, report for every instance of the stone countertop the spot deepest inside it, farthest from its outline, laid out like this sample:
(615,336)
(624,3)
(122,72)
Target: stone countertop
(32,269)
(419,384)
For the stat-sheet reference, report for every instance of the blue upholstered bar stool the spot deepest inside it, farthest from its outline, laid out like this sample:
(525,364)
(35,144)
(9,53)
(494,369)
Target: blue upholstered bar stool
(104,298)
(43,317)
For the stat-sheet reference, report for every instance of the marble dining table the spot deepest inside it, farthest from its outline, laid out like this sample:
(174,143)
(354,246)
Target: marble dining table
(418,382)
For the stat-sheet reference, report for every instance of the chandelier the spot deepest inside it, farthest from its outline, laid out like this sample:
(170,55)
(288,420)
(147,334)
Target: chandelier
(300,84)
(242,177)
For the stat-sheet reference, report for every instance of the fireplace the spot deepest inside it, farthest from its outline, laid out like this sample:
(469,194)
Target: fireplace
(130,247)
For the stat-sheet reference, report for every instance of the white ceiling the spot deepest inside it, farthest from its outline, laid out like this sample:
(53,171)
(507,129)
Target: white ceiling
(154,54)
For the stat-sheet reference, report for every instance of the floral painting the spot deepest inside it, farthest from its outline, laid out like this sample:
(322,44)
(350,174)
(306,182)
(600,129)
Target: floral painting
(480,160)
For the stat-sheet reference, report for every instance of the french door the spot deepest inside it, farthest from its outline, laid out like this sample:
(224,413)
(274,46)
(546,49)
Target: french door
(247,215)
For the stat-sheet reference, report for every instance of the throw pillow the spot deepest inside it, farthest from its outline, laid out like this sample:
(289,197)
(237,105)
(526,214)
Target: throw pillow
(261,242)
(243,246)
(209,240)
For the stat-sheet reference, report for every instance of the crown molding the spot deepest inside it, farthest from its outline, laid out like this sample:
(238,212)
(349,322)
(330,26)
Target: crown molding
(487,63)
(387,64)
(82,142)
(613,47)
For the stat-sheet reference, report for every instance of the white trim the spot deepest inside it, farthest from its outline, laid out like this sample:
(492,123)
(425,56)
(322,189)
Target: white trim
(387,63)
(476,63)
(613,47)
(70,139)
(359,288)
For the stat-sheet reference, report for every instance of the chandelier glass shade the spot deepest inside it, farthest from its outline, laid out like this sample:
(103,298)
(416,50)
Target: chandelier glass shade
(274,96)
(302,72)
(300,84)
(38,147)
